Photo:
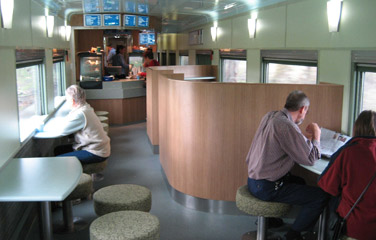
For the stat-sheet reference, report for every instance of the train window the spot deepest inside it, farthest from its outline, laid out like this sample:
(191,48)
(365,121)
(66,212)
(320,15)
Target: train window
(59,82)
(30,90)
(365,81)
(233,65)
(284,66)
(184,60)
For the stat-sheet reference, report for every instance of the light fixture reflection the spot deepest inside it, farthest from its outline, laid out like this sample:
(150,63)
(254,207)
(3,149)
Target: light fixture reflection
(68,31)
(50,25)
(7,7)
(252,27)
(334,14)
(213,32)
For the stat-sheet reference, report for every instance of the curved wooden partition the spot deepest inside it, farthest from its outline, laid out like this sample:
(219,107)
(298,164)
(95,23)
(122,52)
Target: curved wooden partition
(205,129)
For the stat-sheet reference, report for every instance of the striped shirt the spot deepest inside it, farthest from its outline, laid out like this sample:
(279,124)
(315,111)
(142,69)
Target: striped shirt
(277,146)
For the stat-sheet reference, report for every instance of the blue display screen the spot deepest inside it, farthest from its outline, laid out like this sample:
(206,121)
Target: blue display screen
(143,21)
(130,20)
(91,6)
(147,39)
(92,20)
(111,5)
(130,6)
(143,8)
(111,19)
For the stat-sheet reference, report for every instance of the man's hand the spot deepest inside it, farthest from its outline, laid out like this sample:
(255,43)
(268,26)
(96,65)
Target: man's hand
(314,130)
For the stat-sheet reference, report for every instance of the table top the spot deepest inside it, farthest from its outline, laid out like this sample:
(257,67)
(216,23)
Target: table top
(39,179)
(318,167)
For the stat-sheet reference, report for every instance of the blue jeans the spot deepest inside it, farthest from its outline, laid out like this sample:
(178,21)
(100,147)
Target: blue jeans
(84,156)
(312,199)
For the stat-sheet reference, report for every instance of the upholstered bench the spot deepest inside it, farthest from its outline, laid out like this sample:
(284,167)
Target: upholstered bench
(122,197)
(126,225)
(83,189)
(262,209)
(94,169)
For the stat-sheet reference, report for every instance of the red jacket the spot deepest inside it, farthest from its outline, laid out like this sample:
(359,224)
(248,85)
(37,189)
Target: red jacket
(348,173)
(151,64)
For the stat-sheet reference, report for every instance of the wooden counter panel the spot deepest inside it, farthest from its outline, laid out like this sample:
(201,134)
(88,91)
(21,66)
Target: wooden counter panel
(206,129)
(121,111)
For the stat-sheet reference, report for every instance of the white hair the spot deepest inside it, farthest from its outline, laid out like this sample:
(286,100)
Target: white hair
(77,94)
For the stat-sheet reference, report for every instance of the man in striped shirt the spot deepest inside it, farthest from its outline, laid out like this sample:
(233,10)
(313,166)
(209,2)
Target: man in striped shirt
(276,147)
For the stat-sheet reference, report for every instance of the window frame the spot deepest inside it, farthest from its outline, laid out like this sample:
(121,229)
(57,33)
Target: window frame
(231,54)
(62,84)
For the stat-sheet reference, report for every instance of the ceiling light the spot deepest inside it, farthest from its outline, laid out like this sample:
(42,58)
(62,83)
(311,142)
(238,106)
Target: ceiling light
(334,14)
(7,7)
(228,6)
(252,27)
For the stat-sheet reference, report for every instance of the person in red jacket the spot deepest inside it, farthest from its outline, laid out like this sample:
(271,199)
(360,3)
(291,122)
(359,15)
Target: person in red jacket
(348,173)
(149,60)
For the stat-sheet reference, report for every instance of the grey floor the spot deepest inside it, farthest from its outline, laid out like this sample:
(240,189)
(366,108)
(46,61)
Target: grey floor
(132,161)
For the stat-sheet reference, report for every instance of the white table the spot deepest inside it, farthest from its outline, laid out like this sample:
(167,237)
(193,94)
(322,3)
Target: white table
(40,180)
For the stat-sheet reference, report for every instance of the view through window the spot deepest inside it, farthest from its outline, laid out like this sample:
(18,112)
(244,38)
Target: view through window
(294,74)
(184,60)
(234,70)
(59,82)
(369,92)
(29,102)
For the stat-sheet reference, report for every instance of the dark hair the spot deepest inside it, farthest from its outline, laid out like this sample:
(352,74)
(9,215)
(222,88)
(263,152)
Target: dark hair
(118,48)
(295,100)
(149,53)
(365,124)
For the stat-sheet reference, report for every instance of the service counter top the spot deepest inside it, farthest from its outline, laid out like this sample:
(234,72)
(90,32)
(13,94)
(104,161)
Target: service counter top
(118,89)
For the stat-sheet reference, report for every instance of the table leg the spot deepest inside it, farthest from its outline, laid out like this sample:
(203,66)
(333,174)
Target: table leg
(46,221)
(322,225)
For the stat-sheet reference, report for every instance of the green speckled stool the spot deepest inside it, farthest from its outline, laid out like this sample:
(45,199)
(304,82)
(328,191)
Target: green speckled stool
(102,113)
(83,189)
(262,209)
(103,119)
(125,225)
(94,170)
(122,197)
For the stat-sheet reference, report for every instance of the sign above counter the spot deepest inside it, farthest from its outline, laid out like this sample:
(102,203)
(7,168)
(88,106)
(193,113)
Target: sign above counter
(126,6)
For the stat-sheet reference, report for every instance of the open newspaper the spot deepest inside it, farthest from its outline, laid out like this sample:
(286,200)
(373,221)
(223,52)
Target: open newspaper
(331,141)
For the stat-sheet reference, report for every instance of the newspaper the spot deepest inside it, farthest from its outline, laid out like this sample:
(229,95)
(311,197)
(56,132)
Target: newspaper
(331,141)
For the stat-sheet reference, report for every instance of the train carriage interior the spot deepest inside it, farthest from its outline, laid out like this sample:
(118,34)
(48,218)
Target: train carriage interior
(181,129)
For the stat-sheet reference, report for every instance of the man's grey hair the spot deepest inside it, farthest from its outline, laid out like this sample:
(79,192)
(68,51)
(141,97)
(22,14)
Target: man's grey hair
(295,100)
(77,94)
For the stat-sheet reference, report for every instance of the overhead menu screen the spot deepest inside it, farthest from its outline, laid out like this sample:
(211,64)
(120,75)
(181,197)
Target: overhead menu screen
(92,20)
(129,20)
(143,21)
(91,6)
(143,8)
(111,19)
(130,6)
(147,39)
(111,5)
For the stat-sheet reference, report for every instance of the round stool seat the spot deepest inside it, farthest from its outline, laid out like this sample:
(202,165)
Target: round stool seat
(83,189)
(91,168)
(256,207)
(105,127)
(103,119)
(122,197)
(125,225)
(101,113)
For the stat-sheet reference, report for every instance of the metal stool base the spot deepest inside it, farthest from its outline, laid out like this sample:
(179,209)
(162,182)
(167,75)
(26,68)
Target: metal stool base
(78,225)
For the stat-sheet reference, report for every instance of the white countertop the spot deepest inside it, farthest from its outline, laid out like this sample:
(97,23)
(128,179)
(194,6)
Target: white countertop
(318,167)
(39,179)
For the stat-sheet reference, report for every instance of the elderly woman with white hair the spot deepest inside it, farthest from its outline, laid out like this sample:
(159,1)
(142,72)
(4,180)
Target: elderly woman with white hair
(91,143)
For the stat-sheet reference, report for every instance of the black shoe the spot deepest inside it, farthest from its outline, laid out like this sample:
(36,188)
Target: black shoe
(309,236)
(274,222)
(293,235)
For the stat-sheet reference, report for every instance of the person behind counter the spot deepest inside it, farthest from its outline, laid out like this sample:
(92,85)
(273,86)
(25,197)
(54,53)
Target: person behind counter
(91,143)
(277,146)
(111,52)
(348,173)
(149,61)
(118,60)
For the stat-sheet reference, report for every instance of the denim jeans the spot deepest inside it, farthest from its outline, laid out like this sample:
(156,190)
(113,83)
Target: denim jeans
(83,156)
(312,199)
